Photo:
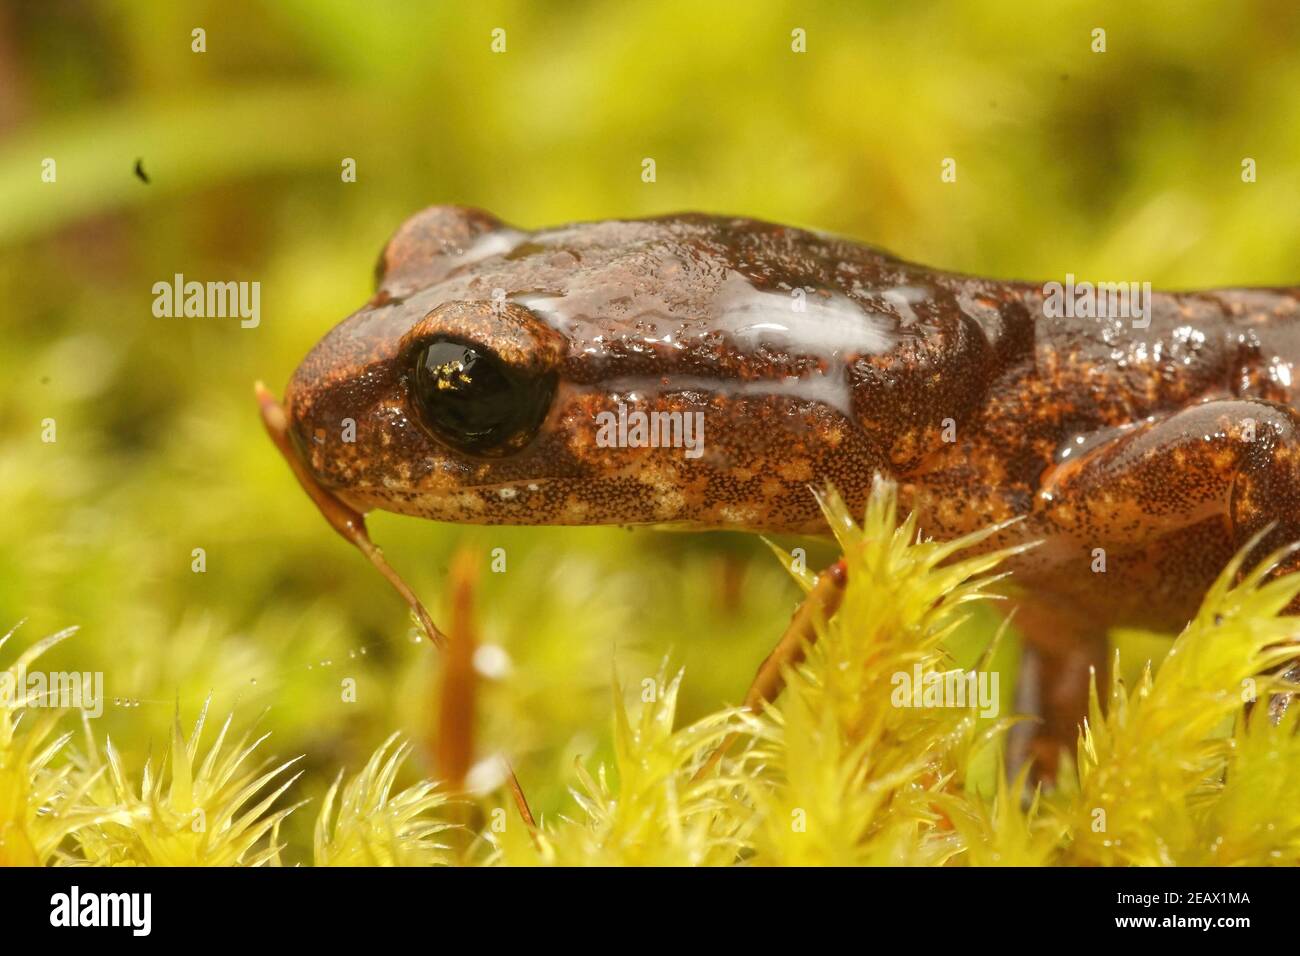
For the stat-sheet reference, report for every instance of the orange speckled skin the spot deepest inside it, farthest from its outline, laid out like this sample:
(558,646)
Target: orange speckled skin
(1166,446)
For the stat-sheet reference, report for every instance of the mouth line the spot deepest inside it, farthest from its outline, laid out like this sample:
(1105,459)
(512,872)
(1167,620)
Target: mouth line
(530,485)
(394,491)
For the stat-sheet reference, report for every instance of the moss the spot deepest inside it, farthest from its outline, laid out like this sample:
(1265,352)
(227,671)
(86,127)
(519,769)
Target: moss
(1179,770)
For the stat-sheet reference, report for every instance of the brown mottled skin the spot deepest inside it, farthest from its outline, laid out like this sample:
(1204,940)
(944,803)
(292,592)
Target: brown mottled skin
(1100,434)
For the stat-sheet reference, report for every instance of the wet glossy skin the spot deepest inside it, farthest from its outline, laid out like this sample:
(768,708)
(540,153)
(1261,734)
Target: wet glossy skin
(1103,436)
(1051,417)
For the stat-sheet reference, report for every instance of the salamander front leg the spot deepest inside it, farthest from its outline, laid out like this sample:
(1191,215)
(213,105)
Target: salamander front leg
(1140,525)
(1063,649)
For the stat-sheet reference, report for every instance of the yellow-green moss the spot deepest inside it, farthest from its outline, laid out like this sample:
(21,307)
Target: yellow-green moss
(1176,771)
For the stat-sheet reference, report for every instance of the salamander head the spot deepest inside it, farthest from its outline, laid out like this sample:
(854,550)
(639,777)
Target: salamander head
(685,370)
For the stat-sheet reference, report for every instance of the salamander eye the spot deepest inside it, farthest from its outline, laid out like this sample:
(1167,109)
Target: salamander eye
(473,401)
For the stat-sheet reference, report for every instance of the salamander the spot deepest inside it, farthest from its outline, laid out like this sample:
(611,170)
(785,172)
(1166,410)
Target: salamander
(705,372)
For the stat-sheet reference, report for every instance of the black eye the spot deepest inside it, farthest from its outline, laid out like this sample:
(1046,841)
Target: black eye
(473,401)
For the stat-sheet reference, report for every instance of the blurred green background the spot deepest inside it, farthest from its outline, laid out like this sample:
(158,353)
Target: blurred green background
(1123,164)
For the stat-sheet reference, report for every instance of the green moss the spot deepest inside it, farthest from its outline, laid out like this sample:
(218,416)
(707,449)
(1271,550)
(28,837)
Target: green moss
(839,770)
(1122,165)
